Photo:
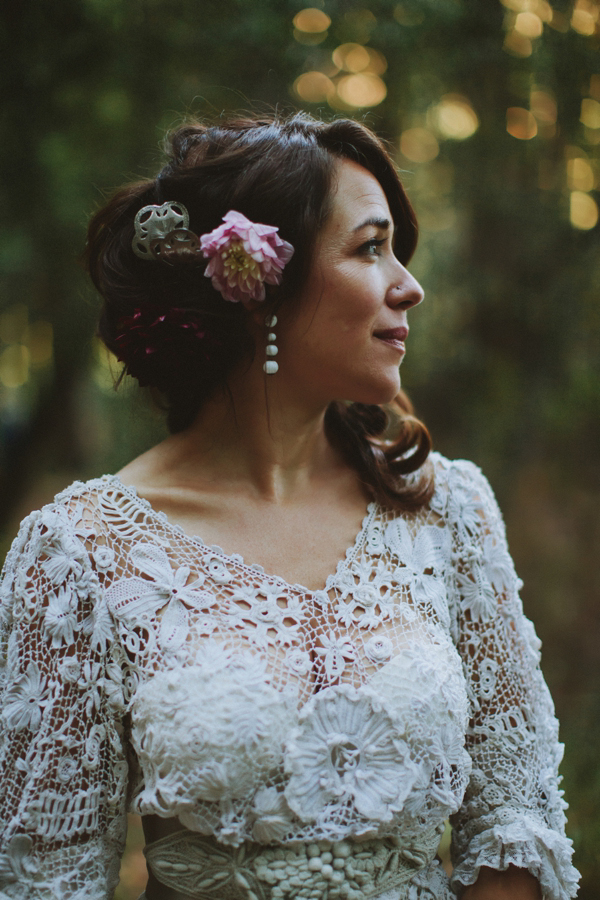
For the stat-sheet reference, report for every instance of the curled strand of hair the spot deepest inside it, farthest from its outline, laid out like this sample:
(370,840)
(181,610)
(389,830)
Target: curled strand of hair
(358,431)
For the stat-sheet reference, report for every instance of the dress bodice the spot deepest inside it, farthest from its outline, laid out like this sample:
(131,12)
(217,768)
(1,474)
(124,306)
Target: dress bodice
(259,713)
(230,755)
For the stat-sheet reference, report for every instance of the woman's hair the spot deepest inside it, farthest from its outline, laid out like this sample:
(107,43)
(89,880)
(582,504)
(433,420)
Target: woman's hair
(174,332)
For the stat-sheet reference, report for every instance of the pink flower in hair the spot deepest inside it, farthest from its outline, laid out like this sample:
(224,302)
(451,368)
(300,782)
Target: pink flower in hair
(243,256)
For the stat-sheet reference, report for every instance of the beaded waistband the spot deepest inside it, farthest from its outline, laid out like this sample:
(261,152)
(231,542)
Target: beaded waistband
(196,867)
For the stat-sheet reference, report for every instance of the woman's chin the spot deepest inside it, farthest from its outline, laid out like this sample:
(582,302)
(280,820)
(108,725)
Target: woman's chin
(378,394)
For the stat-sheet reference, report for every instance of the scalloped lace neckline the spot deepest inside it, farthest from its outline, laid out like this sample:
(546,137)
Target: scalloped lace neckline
(237,558)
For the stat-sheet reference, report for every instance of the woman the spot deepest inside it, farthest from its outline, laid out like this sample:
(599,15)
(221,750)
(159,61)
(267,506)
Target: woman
(301,724)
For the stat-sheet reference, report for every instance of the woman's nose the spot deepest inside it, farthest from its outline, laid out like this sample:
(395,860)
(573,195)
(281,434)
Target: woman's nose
(406,292)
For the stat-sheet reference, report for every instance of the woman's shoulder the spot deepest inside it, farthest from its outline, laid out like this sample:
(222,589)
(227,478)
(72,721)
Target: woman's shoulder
(53,563)
(73,515)
(86,498)
(461,490)
(448,469)
(77,507)
(456,474)
(83,491)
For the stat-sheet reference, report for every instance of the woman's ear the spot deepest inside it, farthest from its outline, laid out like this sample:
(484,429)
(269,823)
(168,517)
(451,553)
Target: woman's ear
(258,311)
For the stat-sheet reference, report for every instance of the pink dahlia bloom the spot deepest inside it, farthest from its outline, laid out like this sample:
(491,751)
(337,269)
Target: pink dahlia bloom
(243,255)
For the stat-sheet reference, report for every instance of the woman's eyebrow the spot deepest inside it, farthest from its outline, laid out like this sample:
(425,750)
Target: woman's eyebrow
(384,224)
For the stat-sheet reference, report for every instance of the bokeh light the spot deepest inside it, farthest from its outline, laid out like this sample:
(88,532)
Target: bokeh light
(590,113)
(314,87)
(541,8)
(544,11)
(377,62)
(454,117)
(27,345)
(363,89)
(312,21)
(310,26)
(585,17)
(583,211)
(352,57)
(543,107)
(520,123)
(419,145)
(580,174)
(517,44)
(529,24)
(14,365)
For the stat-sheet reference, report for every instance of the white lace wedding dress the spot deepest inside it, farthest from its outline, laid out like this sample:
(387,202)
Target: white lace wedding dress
(295,743)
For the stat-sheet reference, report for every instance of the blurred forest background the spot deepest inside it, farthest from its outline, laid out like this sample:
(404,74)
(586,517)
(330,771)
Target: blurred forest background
(493,109)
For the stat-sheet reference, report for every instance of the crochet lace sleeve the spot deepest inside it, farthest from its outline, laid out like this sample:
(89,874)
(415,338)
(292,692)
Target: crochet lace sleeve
(513,811)
(62,762)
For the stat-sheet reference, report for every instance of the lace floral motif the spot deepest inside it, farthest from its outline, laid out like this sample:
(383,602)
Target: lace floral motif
(259,712)
(60,620)
(16,865)
(222,755)
(159,587)
(25,700)
(348,751)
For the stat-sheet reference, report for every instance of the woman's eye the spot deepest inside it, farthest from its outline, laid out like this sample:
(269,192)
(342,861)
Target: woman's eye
(372,247)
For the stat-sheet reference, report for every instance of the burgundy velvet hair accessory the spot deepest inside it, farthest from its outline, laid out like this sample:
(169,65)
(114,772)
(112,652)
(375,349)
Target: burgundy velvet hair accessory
(154,343)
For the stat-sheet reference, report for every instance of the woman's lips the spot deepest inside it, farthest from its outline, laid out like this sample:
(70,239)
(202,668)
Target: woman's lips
(395,337)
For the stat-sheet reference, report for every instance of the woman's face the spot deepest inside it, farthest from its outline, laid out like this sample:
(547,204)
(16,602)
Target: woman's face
(344,337)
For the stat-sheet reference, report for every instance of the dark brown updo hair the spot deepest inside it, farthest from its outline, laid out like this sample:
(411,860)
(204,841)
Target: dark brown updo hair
(174,332)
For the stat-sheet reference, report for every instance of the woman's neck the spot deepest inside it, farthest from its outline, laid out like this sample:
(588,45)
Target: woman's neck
(258,436)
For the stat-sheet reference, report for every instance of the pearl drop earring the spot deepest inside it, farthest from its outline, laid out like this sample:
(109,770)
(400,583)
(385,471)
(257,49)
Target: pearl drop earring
(270,366)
